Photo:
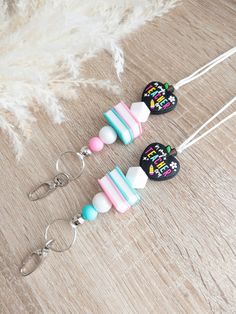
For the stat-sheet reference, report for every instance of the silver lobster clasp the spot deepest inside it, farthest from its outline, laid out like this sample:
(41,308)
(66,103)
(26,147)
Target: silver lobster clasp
(41,191)
(35,259)
(65,173)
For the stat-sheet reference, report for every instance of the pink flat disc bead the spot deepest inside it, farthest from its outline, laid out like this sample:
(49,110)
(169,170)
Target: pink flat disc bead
(95,144)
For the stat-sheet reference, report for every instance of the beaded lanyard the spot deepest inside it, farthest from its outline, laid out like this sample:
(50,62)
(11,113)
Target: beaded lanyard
(157,162)
(125,123)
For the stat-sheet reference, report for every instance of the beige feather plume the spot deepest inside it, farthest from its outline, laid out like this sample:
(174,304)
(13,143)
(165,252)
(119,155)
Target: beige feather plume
(43,44)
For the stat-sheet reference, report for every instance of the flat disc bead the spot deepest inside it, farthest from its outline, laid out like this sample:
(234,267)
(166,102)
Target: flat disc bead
(89,212)
(95,144)
(101,203)
(107,135)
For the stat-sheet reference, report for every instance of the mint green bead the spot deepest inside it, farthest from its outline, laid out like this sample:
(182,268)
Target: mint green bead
(89,212)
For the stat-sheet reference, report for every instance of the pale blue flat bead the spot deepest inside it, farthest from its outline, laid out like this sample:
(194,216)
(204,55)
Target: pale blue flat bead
(89,212)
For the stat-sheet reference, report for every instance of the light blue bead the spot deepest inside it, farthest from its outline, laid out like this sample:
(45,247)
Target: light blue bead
(89,212)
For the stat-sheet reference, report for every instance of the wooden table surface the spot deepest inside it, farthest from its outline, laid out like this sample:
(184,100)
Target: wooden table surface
(175,251)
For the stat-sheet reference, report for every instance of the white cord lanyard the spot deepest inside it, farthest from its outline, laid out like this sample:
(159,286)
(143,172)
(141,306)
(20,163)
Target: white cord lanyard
(159,162)
(193,139)
(160,97)
(204,69)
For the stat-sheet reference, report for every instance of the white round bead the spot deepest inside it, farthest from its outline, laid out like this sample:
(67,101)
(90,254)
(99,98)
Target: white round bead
(101,203)
(107,135)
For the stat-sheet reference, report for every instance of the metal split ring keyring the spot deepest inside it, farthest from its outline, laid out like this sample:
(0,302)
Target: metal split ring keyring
(36,258)
(62,178)
(72,236)
(80,158)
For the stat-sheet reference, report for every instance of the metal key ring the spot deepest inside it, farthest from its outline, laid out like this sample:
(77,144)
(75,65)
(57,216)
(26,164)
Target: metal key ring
(80,158)
(71,242)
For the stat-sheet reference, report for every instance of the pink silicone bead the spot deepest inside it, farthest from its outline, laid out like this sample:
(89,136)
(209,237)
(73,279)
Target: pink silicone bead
(95,144)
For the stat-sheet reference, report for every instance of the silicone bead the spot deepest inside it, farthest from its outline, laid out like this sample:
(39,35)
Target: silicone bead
(107,135)
(132,122)
(119,125)
(118,190)
(89,212)
(137,177)
(123,185)
(114,195)
(124,122)
(101,203)
(140,111)
(95,144)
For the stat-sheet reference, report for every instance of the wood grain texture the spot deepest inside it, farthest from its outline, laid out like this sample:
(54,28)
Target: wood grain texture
(175,251)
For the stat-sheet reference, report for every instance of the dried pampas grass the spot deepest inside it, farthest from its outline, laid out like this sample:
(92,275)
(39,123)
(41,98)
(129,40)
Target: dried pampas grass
(43,44)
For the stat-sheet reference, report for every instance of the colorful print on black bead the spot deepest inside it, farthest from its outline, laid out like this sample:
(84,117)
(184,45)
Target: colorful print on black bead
(159,163)
(159,97)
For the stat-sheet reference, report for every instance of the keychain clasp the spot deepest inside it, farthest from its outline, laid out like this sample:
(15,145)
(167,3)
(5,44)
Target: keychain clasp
(64,176)
(35,259)
(60,235)
(42,190)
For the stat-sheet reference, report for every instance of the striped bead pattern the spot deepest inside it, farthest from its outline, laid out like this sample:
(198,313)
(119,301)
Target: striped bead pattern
(124,122)
(118,190)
